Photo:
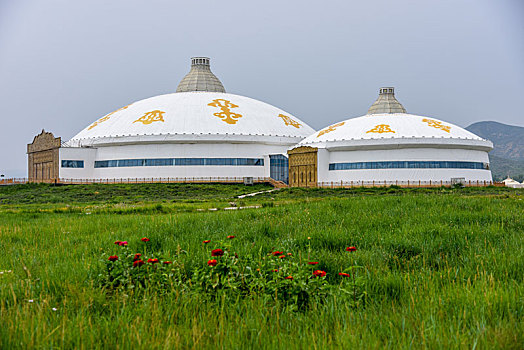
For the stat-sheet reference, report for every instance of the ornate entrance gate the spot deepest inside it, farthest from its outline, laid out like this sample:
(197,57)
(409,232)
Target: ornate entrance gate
(303,167)
(42,156)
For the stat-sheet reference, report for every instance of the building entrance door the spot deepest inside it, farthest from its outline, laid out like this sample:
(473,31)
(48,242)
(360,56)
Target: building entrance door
(278,167)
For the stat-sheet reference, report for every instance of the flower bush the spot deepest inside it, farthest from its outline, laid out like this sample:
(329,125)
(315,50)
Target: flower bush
(276,276)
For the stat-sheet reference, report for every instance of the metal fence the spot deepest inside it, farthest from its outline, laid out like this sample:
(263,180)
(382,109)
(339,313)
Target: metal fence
(349,184)
(339,184)
(15,181)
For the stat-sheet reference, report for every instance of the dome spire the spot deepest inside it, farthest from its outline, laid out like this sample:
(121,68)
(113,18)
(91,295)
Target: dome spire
(200,78)
(386,103)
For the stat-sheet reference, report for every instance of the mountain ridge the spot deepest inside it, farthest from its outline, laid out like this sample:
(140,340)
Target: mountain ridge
(507,157)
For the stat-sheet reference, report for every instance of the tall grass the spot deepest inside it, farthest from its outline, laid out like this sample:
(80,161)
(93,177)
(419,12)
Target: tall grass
(442,272)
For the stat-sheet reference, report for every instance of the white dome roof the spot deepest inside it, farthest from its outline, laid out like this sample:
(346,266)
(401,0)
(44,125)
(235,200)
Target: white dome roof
(195,116)
(397,129)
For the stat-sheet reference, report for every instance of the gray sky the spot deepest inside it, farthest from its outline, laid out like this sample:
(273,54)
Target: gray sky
(64,63)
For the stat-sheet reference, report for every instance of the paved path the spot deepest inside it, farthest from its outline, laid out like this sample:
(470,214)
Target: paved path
(254,194)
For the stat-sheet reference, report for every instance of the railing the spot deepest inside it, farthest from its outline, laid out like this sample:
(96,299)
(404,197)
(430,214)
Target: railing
(410,184)
(140,180)
(163,180)
(13,181)
(279,184)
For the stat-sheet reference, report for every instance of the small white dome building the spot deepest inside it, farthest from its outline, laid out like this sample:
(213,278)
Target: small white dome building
(509,182)
(392,147)
(198,132)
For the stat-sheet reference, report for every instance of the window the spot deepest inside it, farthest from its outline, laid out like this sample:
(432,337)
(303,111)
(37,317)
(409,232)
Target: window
(409,165)
(159,162)
(178,162)
(72,163)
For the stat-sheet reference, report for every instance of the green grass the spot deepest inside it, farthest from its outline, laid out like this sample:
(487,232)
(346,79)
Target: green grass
(445,269)
(118,193)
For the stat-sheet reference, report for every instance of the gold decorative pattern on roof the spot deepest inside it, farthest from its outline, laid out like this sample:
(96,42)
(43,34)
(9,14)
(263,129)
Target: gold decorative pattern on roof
(330,129)
(150,117)
(289,122)
(437,125)
(225,114)
(106,117)
(380,129)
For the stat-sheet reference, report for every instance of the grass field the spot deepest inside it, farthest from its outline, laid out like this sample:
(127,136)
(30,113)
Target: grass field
(442,268)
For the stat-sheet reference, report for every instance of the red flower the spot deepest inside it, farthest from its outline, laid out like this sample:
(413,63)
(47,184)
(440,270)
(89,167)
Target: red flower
(275,253)
(217,252)
(313,262)
(319,273)
(282,257)
(212,262)
(288,278)
(138,263)
(289,254)
(152,261)
(113,258)
(230,237)
(343,274)
(123,243)
(145,239)
(275,270)
(351,249)
(206,241)
(137,256)
(118,242)
(168,262)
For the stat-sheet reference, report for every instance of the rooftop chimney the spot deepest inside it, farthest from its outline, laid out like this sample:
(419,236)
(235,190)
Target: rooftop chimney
(200,78)
(386,103)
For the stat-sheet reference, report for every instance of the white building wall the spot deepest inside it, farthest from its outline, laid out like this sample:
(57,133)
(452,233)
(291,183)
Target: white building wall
(148,151)
(323,158)
(399,154)
(76,153)
(402,175)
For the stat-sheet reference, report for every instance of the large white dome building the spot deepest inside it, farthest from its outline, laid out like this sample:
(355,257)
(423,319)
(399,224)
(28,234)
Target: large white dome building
(392,147)
(200,131)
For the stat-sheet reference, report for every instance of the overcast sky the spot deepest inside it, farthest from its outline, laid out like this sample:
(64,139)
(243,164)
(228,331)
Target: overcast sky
(64,64)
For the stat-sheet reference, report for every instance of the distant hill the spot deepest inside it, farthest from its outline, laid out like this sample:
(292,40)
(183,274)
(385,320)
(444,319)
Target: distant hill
(503,167)
(507,139)
(507,157)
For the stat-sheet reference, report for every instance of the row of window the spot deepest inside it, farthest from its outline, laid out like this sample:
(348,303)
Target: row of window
(278,164)
(117,163)
(408,165)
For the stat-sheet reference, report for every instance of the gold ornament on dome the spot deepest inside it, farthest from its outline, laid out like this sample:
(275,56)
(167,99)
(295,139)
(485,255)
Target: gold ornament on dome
(150,117)
(380,129)
(289,122)
(436,124)
(106,117)
(101,120)
(225,114)
(330,129)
